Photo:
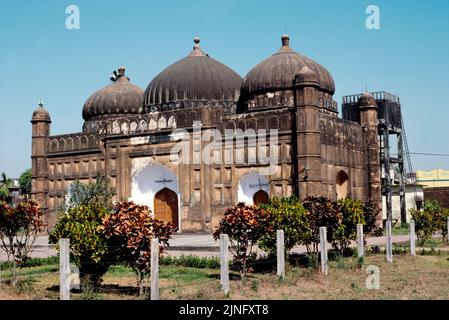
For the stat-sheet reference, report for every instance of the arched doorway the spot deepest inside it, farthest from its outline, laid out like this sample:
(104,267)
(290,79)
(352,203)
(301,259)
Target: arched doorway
(342,185)
(260,197)
(166,206)
(253,189)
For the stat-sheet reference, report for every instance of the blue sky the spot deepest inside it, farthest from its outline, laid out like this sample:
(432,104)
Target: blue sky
(41,60)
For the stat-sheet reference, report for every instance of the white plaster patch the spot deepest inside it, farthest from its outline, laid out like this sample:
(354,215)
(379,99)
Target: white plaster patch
(172,122)
(249,185)
(149,178)
(115,127)
(162,122)
(152,125)
(139,140)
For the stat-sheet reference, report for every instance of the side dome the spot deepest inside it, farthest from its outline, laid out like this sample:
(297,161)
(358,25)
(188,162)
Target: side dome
(277,73)
(120,98)
(195,80)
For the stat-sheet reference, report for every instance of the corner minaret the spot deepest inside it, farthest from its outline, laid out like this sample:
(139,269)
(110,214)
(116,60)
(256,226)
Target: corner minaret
(369,122)
(39,171)
(308,133)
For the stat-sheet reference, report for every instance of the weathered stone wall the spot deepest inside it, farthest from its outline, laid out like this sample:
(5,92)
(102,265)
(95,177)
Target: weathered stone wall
(342,149)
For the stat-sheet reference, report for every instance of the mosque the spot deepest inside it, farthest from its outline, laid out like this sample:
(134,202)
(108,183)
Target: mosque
(140,140)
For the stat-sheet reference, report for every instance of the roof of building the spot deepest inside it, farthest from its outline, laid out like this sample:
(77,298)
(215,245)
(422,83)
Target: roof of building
(197,77)
(278,72)
(40,114)
(119,98)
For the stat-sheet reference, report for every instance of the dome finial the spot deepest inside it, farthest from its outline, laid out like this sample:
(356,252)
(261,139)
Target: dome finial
(285,40)
(121,71)
(40,103)
(197,52)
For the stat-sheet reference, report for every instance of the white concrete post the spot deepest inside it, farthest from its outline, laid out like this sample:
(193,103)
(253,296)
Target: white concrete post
(155,269)
(224,262)
(280,248)
(412,238)
(360,242)
(323,251)
(389,243)
(64,269)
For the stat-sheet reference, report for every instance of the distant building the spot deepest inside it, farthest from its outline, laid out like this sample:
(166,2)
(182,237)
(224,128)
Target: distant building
(436,185)
(413,194)
(433,178)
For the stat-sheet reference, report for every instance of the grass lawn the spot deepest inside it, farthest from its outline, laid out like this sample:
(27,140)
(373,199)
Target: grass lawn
(420,277)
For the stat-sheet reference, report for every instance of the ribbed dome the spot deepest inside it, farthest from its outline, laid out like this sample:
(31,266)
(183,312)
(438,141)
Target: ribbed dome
(278,72)
(195,79)
(367,99)
(40,114)
(119,98)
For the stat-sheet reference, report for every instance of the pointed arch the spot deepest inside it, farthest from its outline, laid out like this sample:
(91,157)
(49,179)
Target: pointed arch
(342,185)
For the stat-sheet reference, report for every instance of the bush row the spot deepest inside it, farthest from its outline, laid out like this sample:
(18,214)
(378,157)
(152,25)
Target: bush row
(247,225)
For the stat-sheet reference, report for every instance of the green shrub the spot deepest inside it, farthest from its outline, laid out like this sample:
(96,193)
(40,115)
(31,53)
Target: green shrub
(321,213)
(431,219)
(87,244)
(370,216)
(289,215)
(350,214)
(191,261)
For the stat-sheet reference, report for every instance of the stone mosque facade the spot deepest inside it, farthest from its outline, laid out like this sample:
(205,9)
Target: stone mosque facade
(128,137)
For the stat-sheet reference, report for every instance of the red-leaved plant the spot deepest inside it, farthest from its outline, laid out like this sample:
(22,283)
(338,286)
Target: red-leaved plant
(19,228)
(245,225)
(129,230)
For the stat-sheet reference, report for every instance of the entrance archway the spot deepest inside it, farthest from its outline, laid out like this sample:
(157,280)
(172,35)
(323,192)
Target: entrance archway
(342,185)
(260,197)
(166,206)
(253,189)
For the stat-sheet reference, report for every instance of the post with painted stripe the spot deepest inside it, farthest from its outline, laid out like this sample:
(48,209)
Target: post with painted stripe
(323,251)
(155,269)
(64,269)
(389,243)
(224,262)
(280,248)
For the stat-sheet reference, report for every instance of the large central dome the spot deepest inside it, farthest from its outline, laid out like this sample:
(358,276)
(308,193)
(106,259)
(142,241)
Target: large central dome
(278,72)
(194,80)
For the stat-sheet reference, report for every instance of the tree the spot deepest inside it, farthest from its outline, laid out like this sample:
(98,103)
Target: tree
(350,214)
(370,213)
(25,182)
(322,213)
(19,228)
(289,215)
(5,183)
(88,245)
(129,230)
(244,225)
(97,192)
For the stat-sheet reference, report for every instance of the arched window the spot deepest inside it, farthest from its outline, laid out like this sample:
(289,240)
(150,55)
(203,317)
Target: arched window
(342,185)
